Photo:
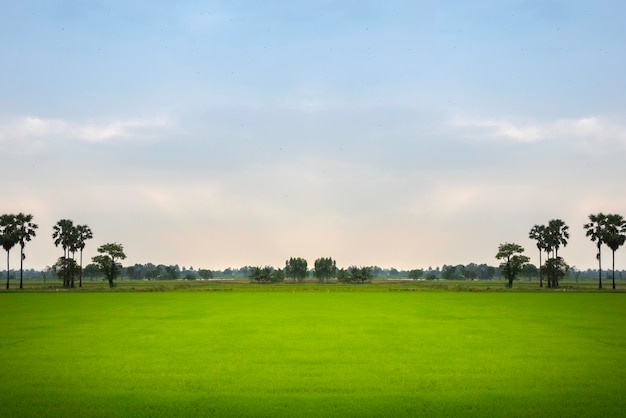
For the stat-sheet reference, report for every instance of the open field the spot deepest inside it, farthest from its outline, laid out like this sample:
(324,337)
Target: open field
(312,353)
(241,284)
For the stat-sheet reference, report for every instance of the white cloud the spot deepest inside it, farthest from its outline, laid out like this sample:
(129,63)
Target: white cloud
(591,128)
(38,129)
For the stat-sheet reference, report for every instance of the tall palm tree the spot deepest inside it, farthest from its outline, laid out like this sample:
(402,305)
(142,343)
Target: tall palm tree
(64,234)
(595,231)
(84,233)
(559,234)
(538,233)
(8,237)
(615,235)
(25,229)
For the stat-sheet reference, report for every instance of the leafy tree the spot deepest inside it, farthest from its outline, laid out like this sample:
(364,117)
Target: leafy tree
(296,269)
(171,273)
(596,232)
(82,234)
(91,270)
(325,269)
(355,275)
(538,233)
(277,276)
(45,272)
(416,274)
(449,273)
(66,269)
(9,237)
(261,274)
(107,261)
(614,235)
(205,274)
(530,270)
(554,269)
(513,260)
(25,229)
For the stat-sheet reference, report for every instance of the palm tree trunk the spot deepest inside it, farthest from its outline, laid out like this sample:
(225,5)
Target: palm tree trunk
(599,267)
(540,277)
(613,269)
(21,266)
(80,279)
(7,269)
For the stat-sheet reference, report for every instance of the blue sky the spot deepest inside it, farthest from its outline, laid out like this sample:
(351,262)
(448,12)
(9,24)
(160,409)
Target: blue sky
(228,133)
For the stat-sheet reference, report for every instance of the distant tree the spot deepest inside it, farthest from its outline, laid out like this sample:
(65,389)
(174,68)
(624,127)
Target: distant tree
(91,270)
(261,274)
(538,233)
(614,235)
(45,272)
(416,274)
(325,269)
(296,269)
(343,276)
(277,276)
(9,237)
(355,274)
(596,228)
(107,261)
(449,273)
(530,271)
(171,273)
(393,272)
(66,269)
(205,274)
(554,269)
(513,260)
(82,234)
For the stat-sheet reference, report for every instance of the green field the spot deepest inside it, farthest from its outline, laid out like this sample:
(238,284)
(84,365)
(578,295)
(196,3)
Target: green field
(302,353)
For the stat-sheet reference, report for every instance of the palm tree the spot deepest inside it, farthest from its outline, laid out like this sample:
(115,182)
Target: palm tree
(595,231)
(61,233)
(83,233)
(25,229)
(8,237)
(614,235)
(558,234)
(64,234)
(538,233)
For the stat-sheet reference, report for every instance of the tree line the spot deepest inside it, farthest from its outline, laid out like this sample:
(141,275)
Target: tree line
(602,229)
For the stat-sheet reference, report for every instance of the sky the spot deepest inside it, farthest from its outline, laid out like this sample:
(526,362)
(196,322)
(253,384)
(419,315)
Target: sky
(406,134)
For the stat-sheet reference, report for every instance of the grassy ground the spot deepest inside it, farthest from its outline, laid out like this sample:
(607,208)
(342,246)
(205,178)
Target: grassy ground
(312,353)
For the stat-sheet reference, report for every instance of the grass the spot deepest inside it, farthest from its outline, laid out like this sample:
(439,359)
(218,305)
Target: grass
(312,353)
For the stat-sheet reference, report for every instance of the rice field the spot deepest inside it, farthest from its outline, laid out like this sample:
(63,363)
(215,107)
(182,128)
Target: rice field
(325,353)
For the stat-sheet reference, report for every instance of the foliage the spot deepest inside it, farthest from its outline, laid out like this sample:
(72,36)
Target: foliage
(266,274)
(9,237)
(614,235)
(554,269)
(325,269)
(205,274)
(513,260)
(596,233)
(296,269)
(107,260)
(416,274)
(66,269)
(355,274)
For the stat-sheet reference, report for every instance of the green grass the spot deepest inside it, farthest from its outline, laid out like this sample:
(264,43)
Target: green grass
(312,353)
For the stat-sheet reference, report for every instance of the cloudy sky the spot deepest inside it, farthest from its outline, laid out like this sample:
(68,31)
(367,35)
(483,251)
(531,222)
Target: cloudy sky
(397,133)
